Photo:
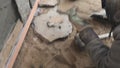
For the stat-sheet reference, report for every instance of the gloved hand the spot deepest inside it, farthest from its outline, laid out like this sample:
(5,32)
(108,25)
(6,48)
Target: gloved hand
(84,37)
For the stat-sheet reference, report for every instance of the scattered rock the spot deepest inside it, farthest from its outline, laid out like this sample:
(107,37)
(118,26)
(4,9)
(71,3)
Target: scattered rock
(50,3)
(53,25)
(24,9)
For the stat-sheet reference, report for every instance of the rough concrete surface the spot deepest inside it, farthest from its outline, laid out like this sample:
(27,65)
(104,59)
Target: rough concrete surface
(62,53)
(8,18)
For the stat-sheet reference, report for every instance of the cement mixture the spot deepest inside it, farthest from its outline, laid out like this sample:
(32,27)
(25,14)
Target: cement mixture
(62,53)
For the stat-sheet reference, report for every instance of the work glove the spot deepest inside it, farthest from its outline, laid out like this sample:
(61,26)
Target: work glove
(84,37)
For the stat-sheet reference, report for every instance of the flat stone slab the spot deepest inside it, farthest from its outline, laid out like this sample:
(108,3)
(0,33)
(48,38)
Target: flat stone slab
(24,9)
(48,2)
(53,25)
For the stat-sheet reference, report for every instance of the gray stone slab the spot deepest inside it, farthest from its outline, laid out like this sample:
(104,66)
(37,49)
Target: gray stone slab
(24,9)
(53,25)
(8,18)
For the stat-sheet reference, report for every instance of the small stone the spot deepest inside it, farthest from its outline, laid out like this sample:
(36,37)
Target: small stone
(48,2)
(53,25)
(38,12)
(35,39)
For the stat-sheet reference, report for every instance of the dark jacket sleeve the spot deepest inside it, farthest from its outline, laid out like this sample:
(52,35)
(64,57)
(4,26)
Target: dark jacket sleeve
(103,3)
(101,55)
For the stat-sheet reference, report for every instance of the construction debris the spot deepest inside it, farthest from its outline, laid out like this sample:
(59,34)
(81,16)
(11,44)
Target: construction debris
(52,25)
(24,9)
(50,3)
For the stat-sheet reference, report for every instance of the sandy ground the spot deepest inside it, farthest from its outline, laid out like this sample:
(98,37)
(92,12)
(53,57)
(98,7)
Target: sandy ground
(62,53)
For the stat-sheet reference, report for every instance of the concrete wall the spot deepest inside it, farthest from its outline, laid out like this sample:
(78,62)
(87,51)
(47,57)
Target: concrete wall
(8,17)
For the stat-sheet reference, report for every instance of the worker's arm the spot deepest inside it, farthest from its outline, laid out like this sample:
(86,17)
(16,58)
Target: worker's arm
(97,50)
(102,56)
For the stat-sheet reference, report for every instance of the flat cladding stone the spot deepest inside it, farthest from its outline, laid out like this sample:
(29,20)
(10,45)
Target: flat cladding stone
(53,25)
